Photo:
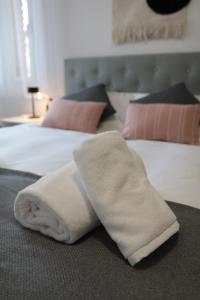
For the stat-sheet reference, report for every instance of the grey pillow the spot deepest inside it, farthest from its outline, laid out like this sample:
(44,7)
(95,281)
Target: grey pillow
(96,93)
(176,94)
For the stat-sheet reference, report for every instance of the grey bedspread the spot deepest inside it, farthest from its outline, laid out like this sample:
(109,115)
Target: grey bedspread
(33,266)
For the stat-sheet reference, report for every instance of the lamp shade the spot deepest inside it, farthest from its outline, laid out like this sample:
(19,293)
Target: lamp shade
(33,89)
(165,7)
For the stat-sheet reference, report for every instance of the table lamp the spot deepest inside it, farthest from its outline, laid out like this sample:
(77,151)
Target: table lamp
(33,90)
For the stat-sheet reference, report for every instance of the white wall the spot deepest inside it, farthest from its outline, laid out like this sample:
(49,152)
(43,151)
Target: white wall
(88,25)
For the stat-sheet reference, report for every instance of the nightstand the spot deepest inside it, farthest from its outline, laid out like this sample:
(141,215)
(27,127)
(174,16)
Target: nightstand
(20,120)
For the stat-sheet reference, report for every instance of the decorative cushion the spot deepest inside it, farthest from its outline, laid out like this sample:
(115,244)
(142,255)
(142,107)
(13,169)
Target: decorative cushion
(177,94)
(163,122)
(74,115)
(95,93)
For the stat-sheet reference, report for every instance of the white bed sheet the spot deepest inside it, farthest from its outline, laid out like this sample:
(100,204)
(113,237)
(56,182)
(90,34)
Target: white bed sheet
(174,169)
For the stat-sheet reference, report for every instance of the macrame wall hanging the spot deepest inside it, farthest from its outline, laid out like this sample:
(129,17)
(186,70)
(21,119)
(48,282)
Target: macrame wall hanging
(137,20)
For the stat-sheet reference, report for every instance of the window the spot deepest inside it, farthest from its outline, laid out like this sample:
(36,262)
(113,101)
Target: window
(26,36)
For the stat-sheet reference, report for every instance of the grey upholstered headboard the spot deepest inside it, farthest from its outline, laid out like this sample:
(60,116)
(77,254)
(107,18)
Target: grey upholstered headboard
(138,73)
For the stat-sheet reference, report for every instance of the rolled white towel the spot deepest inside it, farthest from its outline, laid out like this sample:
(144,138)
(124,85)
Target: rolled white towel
(132,211)
(57,206)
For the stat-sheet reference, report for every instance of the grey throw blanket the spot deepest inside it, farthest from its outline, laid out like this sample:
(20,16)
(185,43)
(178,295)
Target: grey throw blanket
(33,266)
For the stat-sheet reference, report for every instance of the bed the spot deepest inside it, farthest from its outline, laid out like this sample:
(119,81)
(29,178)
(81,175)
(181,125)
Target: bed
(34,266)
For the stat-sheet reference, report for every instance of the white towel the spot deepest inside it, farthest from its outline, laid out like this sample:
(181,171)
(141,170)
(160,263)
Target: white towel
(57,206)
(132,211)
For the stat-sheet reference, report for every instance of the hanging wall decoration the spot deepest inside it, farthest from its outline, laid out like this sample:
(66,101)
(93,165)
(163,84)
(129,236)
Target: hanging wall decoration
(137,20)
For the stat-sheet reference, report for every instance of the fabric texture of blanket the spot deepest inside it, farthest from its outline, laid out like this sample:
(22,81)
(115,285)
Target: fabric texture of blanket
(57,206)
(132,211)
(34,266)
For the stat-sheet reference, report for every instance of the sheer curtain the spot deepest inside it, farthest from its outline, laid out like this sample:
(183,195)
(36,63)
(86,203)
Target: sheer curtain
(12,82)
(47,29)
(38,64)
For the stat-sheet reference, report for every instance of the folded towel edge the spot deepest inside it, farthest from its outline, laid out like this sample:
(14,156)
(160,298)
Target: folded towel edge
(154,244)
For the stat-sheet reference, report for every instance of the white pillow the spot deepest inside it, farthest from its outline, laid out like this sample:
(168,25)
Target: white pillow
(137,96)
(120,102)
(112,123)
(198,97)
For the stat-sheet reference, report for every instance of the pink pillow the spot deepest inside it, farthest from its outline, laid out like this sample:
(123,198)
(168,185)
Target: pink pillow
(163,122)
(74,115)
